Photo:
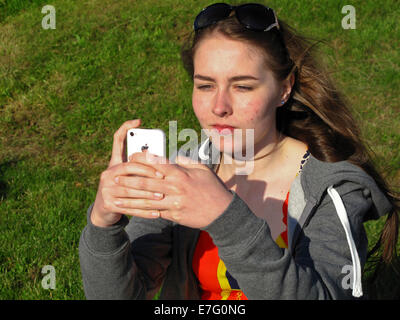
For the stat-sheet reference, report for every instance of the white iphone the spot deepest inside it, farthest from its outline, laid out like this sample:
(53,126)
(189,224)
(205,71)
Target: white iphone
(151,140)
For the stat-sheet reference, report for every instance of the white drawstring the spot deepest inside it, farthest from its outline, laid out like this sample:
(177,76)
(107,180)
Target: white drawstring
(341,211)
(202,155)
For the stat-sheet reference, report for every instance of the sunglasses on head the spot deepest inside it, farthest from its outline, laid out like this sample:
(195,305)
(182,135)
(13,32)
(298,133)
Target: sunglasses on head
(253,16)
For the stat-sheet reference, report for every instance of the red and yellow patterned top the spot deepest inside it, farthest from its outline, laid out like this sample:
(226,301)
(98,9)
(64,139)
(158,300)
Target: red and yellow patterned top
(215,280)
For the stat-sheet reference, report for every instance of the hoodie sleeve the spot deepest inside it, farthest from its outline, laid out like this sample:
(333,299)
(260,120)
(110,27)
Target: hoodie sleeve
(318,267)
(125,261)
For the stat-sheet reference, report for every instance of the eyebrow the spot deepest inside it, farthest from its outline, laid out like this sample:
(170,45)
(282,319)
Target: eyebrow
(236,78)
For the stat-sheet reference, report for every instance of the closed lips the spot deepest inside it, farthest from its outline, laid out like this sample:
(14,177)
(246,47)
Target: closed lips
(224,129)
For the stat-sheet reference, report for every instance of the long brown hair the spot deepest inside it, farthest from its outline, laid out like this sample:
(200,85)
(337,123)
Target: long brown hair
(316,112)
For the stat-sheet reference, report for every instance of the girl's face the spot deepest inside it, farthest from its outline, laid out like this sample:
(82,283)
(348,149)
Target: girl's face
(233,87)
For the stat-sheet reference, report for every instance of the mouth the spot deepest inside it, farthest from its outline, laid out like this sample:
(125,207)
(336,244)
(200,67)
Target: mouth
(224,129)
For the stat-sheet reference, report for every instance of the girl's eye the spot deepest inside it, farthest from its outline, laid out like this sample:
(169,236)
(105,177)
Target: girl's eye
(244,88)
(203,87)
(207,86)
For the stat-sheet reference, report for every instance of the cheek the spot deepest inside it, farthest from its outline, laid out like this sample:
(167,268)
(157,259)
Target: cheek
(199,107)
(263,108)
(255,111)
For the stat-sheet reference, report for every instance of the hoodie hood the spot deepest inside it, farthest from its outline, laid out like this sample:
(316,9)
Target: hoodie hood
(319,176)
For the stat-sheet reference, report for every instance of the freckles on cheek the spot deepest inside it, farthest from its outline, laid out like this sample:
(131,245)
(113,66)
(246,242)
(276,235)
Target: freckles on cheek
(254,115)
(254,112)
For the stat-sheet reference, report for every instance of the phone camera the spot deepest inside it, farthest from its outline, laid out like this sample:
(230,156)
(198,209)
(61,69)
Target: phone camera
(132,134)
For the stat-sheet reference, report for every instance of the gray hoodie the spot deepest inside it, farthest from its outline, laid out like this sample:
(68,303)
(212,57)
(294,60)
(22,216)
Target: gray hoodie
(328,204)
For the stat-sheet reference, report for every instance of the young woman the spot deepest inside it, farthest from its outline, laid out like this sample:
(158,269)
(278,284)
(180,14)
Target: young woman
(290,229)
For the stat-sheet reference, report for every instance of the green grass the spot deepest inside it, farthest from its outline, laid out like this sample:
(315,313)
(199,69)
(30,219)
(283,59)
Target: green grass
(64,92)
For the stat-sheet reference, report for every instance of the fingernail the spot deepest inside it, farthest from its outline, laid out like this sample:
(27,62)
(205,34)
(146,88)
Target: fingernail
(151,158)
(116,179)
(158,195)
(159,174)
(117,202)
(155,214)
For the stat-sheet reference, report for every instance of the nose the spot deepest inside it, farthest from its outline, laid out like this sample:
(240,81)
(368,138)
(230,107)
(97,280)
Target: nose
(222,106)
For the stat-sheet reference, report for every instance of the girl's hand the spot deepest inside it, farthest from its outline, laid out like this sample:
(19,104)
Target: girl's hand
(194,195)
(105,211)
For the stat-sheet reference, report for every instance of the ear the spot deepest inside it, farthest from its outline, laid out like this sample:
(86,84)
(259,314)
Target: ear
(287,86)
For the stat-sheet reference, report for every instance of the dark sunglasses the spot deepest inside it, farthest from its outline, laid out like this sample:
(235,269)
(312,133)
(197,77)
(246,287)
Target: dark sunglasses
(253,16)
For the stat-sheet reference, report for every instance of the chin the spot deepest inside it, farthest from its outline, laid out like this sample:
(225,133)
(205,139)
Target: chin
(240,141)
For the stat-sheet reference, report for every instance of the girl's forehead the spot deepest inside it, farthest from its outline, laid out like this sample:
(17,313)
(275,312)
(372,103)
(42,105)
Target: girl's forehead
(223,45)
(222,53)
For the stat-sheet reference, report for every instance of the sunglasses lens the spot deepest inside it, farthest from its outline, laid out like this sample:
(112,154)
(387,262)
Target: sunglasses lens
(255,16)
(212,14)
